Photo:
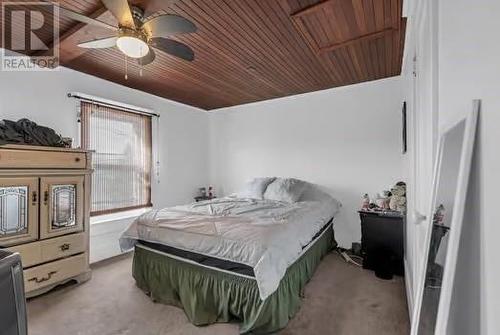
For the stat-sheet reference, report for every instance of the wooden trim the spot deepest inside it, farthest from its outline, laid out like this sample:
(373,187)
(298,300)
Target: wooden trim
(117,210)
(311,9)
(44,172)
(30,159)
(302,29)
(297,20)
(370,36)
(402,35)
(40,148)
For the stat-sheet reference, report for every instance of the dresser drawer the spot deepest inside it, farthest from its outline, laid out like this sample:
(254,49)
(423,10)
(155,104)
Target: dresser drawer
(63,246)
(51,273)
(25,159)
(31,253)
(48,250)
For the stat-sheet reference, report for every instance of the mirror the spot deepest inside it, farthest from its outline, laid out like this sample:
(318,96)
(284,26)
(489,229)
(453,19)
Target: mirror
(451,176)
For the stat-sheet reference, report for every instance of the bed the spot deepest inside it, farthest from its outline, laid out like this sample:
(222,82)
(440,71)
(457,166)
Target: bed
(233,259)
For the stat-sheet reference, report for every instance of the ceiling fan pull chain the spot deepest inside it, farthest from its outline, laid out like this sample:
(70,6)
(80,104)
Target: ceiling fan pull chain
(140,66)
(126,68)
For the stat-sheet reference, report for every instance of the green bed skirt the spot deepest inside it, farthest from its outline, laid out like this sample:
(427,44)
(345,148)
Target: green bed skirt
(208,296)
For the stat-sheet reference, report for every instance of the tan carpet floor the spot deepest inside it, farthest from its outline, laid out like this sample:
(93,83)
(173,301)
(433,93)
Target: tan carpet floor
(340,299)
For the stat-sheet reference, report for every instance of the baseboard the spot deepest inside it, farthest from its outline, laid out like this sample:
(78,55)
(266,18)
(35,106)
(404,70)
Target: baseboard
(409,289)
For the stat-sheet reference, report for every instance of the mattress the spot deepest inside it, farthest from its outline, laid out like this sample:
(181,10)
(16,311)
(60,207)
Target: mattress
(214,262)
(249,235)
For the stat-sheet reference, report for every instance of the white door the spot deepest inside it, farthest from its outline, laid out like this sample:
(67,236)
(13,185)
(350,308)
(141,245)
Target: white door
(422,117)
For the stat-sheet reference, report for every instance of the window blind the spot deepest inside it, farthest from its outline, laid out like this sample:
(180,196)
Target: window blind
(122,147)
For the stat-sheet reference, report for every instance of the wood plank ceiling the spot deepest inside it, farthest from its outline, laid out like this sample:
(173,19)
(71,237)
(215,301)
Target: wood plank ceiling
(251,50)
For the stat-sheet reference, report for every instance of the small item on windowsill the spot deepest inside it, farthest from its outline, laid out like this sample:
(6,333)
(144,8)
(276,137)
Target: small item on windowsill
(203,195)
(203,198)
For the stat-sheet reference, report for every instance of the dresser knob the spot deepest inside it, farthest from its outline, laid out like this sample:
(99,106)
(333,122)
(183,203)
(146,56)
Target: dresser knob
(64,246)
(77,159)
(45,197)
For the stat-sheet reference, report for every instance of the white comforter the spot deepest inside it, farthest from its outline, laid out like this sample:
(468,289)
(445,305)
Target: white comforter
(266,235)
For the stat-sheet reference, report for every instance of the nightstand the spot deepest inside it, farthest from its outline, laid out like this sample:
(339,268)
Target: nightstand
(382,242)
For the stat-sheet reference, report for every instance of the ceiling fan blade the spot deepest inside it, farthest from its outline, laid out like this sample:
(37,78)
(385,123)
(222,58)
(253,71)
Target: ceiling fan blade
(121,11)
(101,43)
(153,6)
(84,19)
(149,58)
(173,48)
(167,25)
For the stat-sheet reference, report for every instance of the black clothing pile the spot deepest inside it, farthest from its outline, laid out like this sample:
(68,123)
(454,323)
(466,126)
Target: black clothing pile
(28,132)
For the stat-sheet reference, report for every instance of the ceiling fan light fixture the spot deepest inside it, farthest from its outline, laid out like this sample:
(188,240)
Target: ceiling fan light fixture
(132,44)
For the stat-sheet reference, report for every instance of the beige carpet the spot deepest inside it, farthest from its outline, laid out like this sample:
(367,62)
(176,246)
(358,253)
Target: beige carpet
(341,299)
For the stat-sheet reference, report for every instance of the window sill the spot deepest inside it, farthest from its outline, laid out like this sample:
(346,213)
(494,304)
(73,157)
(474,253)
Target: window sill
(118,216)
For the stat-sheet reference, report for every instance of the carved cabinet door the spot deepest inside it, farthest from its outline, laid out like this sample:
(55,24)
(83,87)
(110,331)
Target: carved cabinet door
(18,210)
(61,206)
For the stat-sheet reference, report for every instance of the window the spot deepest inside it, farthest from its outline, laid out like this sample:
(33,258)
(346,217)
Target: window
(121,142)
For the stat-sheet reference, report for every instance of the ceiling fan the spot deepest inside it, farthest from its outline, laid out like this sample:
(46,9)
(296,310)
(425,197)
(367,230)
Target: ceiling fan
(137,36)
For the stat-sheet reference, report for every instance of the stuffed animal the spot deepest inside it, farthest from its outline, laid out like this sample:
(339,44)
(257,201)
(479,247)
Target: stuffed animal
(398,198)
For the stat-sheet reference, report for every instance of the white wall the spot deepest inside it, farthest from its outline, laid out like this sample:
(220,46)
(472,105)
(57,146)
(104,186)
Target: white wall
(469,68)
(183,146)
(346,139)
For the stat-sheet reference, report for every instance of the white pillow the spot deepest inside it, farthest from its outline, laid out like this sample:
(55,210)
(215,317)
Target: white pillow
(255,188)
(285,189)
(313,192)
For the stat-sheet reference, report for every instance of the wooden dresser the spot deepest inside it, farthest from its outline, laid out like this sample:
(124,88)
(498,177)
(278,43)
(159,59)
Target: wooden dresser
(44,213)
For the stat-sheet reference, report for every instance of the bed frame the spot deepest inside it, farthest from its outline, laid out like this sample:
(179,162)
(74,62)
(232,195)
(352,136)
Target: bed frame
(209,295)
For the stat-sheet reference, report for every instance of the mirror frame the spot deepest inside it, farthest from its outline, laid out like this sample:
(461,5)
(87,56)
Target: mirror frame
(456,222)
